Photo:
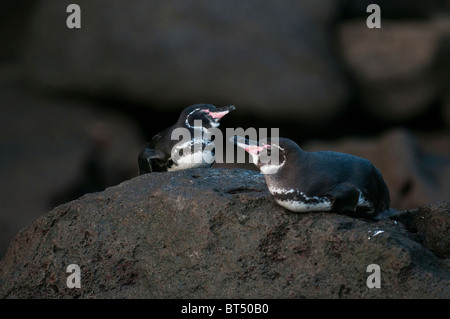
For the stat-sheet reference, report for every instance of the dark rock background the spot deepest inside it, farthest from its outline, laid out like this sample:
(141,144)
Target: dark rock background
(217,233)
(77,105)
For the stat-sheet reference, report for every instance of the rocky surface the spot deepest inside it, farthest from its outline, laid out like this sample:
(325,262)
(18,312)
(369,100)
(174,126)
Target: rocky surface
(279,64)
(217,233)
(54,150)
(400,69)
(399,9)
(432,226)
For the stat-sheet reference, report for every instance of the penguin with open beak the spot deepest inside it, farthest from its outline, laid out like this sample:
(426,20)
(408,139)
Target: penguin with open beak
(159,154)
(302,181)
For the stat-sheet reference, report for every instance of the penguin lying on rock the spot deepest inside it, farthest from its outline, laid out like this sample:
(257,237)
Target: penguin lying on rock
(318,181)
(161,156)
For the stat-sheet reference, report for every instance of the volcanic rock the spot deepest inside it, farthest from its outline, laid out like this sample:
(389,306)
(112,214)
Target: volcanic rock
(432,226)
(258,54)
(55,150)
(213,233)
(401,68)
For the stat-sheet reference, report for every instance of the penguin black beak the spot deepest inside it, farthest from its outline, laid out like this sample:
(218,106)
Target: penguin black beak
(228,108)
(217,114)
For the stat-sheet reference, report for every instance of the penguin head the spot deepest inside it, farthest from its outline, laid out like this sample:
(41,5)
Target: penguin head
(268,155)
(208,114)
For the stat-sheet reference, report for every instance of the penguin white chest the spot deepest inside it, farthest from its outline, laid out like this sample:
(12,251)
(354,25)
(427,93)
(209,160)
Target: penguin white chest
(297,201)
(303,207)
(194,160)
(194,154)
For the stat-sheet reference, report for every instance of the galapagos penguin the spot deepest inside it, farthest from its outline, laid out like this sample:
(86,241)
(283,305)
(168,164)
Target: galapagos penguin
(163,154)
(304,181)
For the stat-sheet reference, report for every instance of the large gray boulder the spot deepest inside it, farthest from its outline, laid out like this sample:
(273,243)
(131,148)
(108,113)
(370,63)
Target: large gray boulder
(266,57)
(54,150)
(214,233)
(400,69)
(416,168)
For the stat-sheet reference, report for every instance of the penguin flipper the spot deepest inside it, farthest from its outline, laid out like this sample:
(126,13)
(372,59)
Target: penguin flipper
(345,198)
(144,159)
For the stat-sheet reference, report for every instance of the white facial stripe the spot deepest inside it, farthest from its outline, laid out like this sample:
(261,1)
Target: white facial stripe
(254,149)
(270,169)
(216,116)
(187,118)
